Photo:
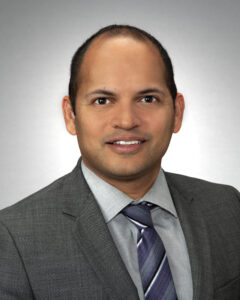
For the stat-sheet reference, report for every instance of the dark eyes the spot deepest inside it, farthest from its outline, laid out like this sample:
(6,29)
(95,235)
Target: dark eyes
(102,101)
(146,99)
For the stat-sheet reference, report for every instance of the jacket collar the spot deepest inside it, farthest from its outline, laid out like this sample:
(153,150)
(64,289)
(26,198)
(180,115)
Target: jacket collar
(195,230)
(94,238)
(99,248)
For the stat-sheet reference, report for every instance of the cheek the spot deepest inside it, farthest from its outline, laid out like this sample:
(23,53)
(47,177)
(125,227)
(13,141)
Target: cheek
(89,130)
(161,125)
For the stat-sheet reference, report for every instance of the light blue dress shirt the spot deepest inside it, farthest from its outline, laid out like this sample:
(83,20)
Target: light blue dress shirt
(165,220)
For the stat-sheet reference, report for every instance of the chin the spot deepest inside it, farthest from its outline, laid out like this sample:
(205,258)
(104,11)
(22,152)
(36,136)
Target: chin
(125,172)
(120,169)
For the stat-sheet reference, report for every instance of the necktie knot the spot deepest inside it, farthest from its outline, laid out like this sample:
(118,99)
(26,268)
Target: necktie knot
(139,215)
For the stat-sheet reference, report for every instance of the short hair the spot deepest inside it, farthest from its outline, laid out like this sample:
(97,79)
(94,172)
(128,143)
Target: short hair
(111,31)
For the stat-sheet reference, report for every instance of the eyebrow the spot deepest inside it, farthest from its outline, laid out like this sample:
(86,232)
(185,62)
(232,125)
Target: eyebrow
(102,92)
(149,91)
(109,93)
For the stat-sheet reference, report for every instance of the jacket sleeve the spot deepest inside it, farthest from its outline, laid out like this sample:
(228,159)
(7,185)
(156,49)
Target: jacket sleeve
(14,282)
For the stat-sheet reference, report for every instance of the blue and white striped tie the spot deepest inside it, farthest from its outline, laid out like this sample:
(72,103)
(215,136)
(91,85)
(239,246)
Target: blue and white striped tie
(153,263)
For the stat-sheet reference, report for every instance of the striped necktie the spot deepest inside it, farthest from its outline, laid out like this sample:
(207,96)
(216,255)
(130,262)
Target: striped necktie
(153,263)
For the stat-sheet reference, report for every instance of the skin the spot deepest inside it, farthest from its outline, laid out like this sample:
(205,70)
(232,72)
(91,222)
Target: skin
(123,96)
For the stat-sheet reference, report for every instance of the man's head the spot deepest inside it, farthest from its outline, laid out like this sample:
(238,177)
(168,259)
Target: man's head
(124,110)
(111,31)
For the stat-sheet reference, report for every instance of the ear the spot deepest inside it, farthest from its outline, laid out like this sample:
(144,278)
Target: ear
(179,109)
(69,116)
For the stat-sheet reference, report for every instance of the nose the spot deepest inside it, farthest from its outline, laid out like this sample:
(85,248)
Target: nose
(125,116)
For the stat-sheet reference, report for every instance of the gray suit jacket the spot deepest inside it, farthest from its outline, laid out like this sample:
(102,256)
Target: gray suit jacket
(56,245)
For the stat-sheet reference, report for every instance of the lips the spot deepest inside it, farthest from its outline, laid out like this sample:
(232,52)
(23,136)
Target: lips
(126,145)
(126,140)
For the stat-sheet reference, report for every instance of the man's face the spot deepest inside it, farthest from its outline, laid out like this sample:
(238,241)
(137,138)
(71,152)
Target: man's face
(125,115)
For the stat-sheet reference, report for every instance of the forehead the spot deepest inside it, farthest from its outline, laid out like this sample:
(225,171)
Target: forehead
(122,56)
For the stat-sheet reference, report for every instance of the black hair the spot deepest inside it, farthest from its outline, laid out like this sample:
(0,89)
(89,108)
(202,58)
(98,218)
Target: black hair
(114,30)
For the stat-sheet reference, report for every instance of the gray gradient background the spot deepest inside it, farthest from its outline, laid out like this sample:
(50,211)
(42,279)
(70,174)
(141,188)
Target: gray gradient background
(38,39)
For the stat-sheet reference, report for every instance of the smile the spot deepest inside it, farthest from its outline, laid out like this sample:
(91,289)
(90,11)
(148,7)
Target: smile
(127,142)
(126,145)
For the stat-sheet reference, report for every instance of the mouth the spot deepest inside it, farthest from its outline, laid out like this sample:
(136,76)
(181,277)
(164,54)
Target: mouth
(127,142)
(126,145)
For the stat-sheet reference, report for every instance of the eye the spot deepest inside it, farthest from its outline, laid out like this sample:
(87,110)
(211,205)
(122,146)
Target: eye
(102,101)
(148,99)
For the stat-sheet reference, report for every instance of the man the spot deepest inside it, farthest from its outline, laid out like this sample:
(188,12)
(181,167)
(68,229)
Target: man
(82,237)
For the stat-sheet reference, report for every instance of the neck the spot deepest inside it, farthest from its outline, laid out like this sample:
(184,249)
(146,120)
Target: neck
(136,187)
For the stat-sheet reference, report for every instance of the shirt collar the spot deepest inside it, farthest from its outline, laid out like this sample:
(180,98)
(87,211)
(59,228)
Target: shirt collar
(111,200)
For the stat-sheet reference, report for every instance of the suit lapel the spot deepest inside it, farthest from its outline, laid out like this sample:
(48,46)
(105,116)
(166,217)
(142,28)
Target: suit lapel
(97,245)
(196,235)
(95,239)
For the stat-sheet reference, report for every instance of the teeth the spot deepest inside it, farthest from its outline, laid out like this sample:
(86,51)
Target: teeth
(127,142)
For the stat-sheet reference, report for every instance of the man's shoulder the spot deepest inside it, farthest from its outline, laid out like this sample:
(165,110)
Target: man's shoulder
(192,186)
(46,199)
(217,204)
